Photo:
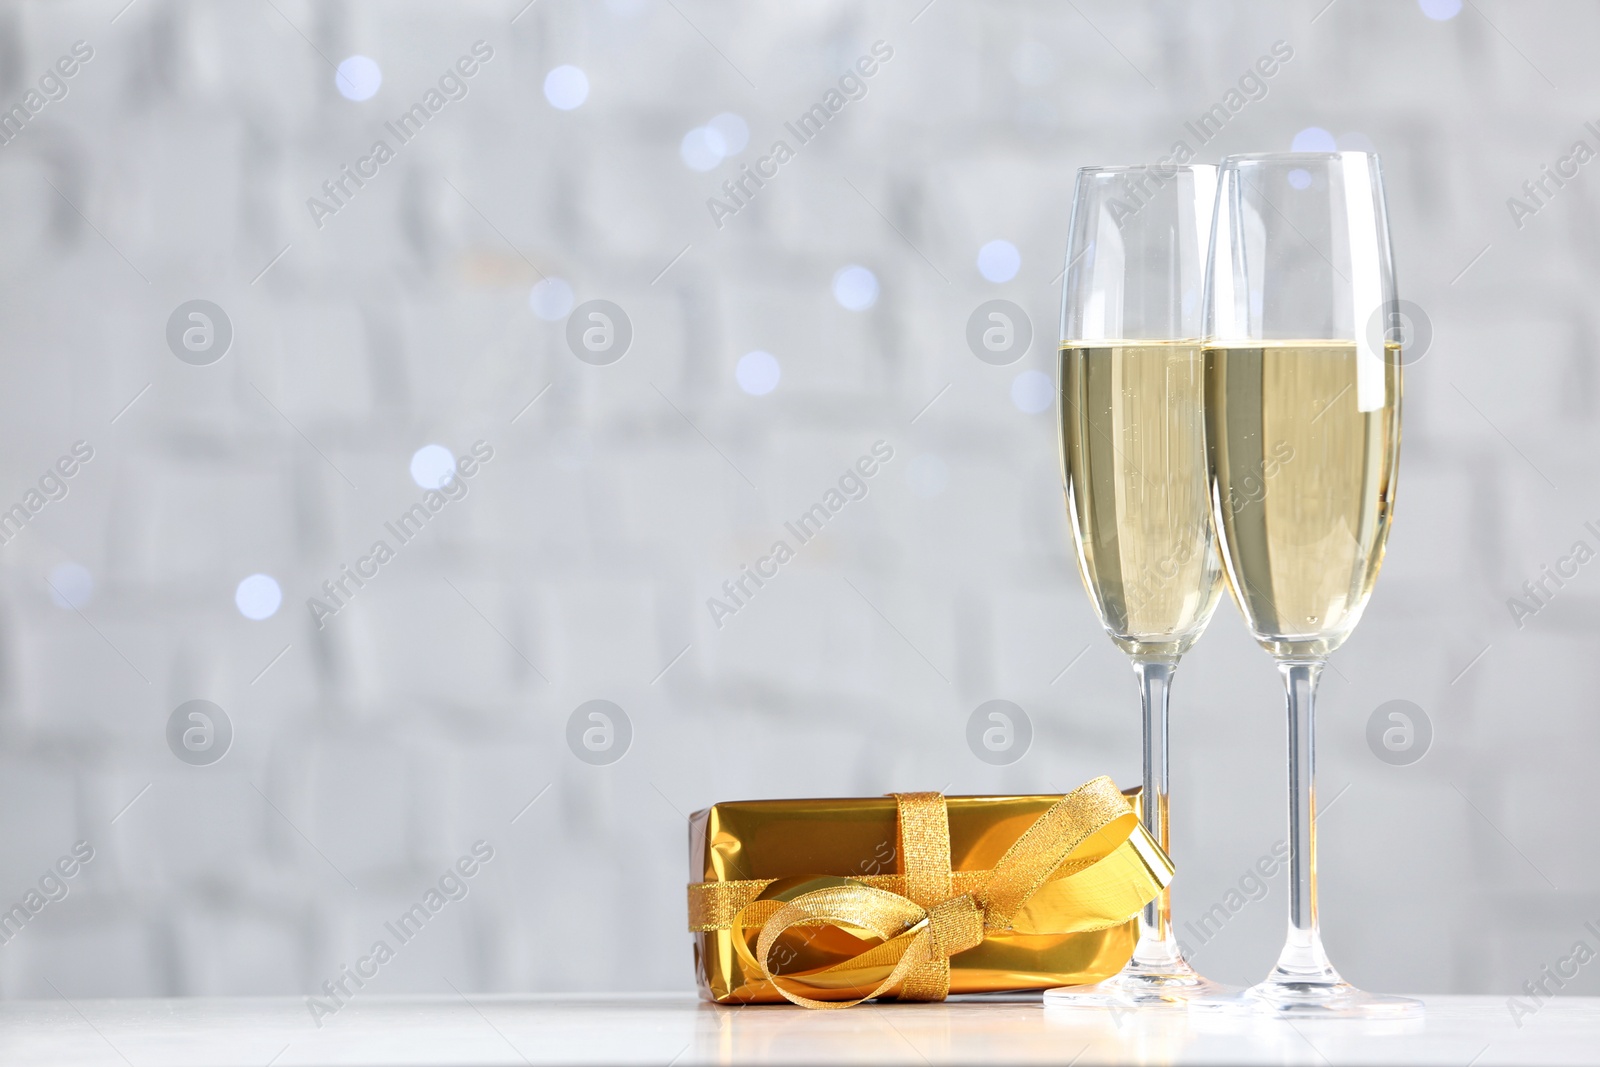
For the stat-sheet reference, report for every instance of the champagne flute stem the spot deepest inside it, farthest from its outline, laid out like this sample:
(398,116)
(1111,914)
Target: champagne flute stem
(1302,957)
(1157,947)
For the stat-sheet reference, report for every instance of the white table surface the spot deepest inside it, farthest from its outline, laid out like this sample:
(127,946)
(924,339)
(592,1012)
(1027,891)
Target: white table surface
(676,1029)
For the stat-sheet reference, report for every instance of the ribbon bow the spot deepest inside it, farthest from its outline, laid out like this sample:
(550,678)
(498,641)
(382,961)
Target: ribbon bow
(1085,864)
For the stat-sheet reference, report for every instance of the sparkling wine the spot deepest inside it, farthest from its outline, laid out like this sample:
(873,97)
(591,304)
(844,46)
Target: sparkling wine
(1304,444)
(1133,458)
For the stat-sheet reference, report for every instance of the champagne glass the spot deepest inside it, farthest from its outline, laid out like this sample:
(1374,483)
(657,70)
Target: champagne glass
(1302,394)
(1133,462)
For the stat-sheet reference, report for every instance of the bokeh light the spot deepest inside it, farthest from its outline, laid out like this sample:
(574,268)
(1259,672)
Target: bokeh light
(758,372)
(71,585)
(566,87)
(999,261)
(433,466)
(1032,391)
(358,78)
(551,299)
(855,288)
(258,597)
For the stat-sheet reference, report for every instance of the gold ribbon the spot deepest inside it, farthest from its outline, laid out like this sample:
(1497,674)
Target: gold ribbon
(1085,864)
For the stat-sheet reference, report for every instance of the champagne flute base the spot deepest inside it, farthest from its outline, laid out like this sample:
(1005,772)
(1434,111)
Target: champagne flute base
(1301,999)
(1174,985)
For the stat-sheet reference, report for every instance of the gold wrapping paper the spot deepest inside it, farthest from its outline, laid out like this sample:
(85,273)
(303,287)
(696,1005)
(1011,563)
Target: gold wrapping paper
(916,895)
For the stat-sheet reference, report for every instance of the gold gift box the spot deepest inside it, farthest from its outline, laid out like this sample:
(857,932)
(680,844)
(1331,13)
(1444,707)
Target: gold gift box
(797,841)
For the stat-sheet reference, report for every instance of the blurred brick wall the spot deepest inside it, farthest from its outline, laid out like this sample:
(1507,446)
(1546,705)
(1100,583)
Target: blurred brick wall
(369,754)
